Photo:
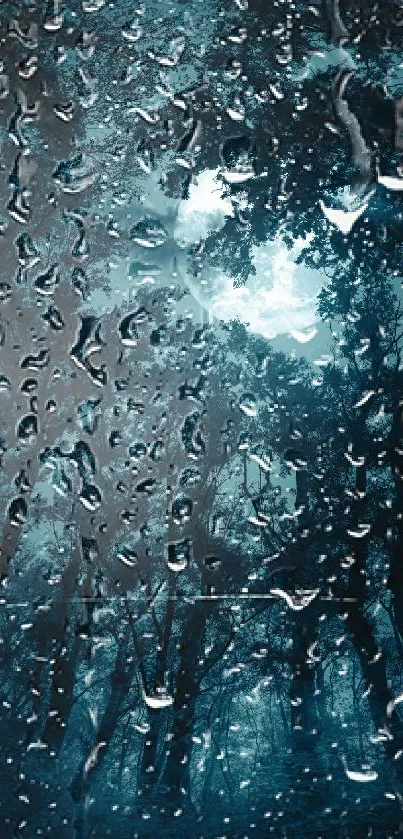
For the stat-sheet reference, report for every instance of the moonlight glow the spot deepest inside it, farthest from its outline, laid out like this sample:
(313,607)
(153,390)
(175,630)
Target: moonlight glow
(279,299)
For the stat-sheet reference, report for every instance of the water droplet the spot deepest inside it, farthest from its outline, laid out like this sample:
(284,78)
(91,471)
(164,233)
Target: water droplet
(17,511)
(28,428)
(149,233)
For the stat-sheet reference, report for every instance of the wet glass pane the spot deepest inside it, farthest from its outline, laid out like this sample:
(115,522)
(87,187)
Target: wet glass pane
(201,403)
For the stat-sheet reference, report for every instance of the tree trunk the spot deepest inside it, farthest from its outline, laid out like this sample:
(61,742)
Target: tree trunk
(148,766)
(91,762)
(64,671)
(362,634)
(304,709)
(61,696)
(305,723)
(305,762)
(175,778)
(372,663)
(150,762)
(396,564)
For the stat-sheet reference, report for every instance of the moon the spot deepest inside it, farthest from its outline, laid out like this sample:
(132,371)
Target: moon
(280,298)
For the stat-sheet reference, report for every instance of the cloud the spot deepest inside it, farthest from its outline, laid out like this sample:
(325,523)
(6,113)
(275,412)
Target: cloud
(204,212)
(280,298)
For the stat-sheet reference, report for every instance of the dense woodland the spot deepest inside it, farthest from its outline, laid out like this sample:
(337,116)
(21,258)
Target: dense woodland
(201,612)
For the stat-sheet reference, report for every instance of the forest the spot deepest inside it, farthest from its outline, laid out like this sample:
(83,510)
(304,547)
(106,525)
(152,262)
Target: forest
(201,547)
